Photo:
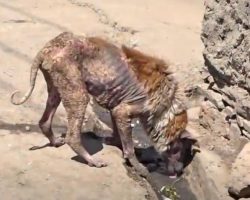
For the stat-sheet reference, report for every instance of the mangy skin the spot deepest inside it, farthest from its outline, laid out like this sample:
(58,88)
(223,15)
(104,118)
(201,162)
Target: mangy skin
(127,82)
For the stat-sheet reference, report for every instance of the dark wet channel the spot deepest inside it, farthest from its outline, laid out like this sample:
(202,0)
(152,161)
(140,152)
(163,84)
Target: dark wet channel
(148,156)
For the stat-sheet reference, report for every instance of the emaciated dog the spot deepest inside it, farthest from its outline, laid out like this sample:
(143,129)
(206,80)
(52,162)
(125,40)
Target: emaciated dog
(127,82)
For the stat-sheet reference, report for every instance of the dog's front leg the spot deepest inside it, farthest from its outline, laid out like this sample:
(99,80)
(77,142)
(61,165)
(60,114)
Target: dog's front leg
(122,115)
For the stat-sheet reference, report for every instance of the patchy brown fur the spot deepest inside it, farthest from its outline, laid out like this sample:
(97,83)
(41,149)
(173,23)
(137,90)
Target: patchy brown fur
(162,91)
(127,82)
(166,117)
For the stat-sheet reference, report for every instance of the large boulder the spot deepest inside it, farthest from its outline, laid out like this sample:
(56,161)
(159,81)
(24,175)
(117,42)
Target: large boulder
(226,38)
(239,186)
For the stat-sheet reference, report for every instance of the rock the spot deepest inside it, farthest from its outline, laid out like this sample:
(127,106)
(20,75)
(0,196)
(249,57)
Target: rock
(239,184)
(216,88)
(228,101)
(243,108)
(208,174)
(246,125)
(133,43)
(27,128)
(211,148)
(226,38)
(193,113)
(210,79)
(246,134)
(235,93)
(229,111)
(240,121)
(206,76)
(215,98)
(225,35)
(234,131)
(213,120)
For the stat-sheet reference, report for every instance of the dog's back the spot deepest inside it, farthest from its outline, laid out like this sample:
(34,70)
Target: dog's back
(108,76)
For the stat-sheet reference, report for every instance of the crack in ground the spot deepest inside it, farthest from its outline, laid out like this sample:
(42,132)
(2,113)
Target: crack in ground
(103,17)
(147,183)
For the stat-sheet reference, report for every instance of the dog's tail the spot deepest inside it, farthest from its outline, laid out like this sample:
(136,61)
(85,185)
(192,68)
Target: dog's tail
(33,74)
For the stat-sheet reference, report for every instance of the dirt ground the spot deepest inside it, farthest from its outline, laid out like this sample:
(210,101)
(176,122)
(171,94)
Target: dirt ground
(169,29)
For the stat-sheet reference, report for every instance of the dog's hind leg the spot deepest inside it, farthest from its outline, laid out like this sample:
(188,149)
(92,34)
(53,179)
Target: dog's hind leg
(75,99)
(53,102)
(45,122)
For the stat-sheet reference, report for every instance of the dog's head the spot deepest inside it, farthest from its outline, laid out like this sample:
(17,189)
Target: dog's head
(178,153)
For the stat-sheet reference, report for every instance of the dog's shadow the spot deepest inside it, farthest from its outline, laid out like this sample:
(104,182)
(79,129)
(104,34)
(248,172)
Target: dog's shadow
(92,143)
(149,157)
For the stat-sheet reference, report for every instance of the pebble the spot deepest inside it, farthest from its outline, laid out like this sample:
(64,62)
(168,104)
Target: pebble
(29,163)
(133,43)
(27,128)
(211,148)
(136,141)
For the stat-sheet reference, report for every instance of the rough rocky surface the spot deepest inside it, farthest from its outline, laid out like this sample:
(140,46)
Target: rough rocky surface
(226,37)
(225,113)
(207,176)
(239,185)
(220,144)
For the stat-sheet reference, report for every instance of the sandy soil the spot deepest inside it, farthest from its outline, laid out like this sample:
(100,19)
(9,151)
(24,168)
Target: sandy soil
(167,28)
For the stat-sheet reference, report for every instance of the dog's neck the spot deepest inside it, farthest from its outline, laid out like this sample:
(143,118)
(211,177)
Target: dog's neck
(165,124)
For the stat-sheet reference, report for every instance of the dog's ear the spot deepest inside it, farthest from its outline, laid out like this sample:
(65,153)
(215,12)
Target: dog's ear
(186,135)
